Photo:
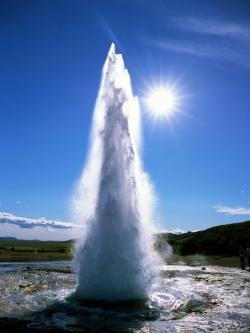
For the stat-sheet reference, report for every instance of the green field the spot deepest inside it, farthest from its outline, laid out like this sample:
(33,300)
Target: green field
(34,250)
(214,246)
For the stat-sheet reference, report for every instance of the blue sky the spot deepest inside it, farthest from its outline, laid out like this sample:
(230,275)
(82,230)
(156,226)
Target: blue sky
(51,58)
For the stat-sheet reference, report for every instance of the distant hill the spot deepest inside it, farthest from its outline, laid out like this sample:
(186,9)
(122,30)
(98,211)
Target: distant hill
(8,238)
(219,240)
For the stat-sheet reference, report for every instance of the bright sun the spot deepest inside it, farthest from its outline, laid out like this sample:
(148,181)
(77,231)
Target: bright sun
(162,101)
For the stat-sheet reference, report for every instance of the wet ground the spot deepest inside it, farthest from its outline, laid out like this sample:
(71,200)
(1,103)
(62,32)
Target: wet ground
(35,297)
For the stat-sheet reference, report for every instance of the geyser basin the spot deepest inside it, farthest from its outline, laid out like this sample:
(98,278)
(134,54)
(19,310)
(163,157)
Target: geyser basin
(188,299)
(114,200)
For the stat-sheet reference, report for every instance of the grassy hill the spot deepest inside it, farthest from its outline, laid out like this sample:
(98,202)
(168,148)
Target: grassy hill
(223,240)
(219,240)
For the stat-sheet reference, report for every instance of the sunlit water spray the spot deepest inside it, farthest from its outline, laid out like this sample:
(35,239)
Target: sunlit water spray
(114,200)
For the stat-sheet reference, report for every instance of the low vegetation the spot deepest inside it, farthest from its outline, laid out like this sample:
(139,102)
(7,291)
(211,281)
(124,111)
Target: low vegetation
(217,245)
(220,240)
(18,250)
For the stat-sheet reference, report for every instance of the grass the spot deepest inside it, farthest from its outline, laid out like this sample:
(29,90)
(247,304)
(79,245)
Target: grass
(34,250)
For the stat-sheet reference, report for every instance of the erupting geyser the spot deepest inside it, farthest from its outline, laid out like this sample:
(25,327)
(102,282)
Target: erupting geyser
(114,200)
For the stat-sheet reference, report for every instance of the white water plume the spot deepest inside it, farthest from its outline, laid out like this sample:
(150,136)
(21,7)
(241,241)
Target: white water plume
(114,198)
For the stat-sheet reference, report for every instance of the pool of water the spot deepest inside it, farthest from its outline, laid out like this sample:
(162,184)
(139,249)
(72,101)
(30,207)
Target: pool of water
(183,299)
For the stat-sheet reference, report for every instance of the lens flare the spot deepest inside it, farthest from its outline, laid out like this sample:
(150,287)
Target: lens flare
(162,101)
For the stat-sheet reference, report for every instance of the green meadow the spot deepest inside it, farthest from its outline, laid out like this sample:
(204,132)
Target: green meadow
(214,246)
(35,250)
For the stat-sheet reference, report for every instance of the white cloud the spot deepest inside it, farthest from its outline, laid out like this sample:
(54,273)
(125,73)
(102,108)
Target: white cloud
(232,210)
(24,222)
(18,202)
(214,27)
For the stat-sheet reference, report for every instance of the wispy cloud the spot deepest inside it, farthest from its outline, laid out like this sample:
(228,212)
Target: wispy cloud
(214,27)
(224,41)
(208,50)
(30,223)
(197,48)
(232,210)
